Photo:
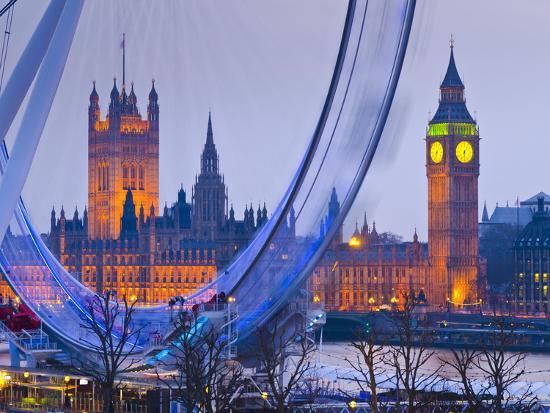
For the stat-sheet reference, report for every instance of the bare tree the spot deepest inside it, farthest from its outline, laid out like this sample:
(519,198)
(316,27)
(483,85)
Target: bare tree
(498,369)
(285,357)
(502,369)
(114,340)
(410,357)
(369,362)
(199,373)
(462,362)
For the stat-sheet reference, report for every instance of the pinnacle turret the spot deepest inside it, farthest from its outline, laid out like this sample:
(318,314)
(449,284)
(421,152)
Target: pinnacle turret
(94,97)
(114,92)
(153,96)
(485,216)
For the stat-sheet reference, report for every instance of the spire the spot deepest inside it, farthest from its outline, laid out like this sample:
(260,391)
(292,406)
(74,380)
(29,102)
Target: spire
(356,232)
(209,133)
(94,97)
(52,219)
(259,216)
(153,93)
(415,236)
(124,100)
(141,214)
(452,105)
(132,99)
(485,216)
(209,158)
(292,220)
(452,78)
(334,205)
(365,227)
(114,92)
(129,197)
(128,221)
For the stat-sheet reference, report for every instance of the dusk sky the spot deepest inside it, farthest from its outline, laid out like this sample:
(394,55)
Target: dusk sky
(263,68)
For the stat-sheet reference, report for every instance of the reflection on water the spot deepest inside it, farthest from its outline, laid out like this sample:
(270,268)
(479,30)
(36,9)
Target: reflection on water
(536,364)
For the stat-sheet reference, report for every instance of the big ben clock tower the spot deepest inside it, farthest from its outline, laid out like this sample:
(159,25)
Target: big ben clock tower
(452,168)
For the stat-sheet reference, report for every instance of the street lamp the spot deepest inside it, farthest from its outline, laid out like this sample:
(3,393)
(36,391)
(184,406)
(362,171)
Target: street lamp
(67,403)
(264,398)
(352,405)
(26,374)
(7,379)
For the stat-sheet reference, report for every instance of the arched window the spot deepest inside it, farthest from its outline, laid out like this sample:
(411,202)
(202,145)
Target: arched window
(125,177)
(141,178)
(104,177)
(107,177)
(133,177)
(99,188)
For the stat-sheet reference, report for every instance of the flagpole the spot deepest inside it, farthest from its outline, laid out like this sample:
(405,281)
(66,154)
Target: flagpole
(123,60)
(517,215)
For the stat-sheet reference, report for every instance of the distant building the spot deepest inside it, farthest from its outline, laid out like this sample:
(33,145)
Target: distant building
(365,273)
(514,215)
(532,263)
(518,216)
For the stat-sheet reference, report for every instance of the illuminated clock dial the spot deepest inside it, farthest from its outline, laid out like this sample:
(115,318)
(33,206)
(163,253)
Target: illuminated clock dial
(436,152)
(464,152)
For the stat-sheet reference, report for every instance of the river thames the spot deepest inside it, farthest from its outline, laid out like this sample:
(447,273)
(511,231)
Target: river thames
(333,357)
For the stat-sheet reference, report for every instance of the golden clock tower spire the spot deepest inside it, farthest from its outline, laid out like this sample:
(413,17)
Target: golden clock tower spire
(452,168)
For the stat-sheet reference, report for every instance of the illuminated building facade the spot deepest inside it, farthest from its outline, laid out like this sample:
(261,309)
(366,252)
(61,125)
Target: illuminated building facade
(123,153)
(369,272)
(452,168)
(123,242)
(532,264)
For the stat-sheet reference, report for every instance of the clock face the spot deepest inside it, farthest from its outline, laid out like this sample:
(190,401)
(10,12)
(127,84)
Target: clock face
(436,152)
(464,152)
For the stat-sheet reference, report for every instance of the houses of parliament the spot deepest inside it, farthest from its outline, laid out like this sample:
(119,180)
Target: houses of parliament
(123,241)
(370,272)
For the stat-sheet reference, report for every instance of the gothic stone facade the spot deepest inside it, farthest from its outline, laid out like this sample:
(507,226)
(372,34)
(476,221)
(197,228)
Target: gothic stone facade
(366,273)
(121,243)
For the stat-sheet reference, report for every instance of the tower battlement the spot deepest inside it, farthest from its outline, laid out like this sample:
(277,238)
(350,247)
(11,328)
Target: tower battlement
(123,154)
